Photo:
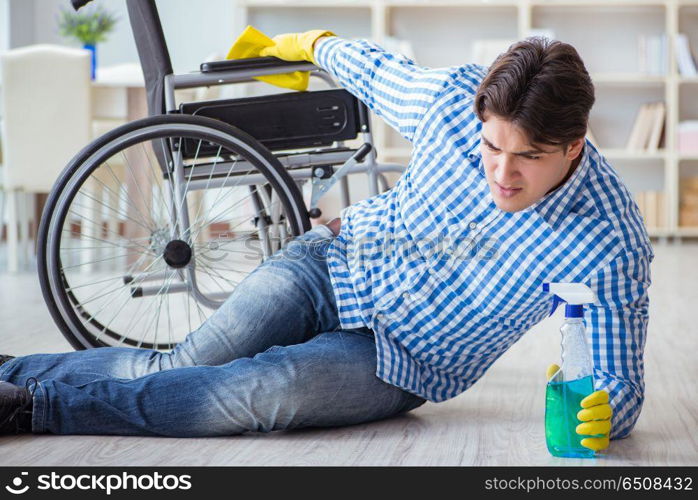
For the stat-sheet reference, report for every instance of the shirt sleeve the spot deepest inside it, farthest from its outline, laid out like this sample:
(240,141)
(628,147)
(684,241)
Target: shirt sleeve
(391,85)
(617,324)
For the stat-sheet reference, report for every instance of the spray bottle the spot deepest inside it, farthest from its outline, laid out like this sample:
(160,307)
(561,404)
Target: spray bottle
(574,381)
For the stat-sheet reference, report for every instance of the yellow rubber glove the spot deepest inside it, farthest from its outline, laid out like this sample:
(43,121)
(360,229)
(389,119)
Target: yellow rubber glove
(295,46)
(288,46)
(595,415)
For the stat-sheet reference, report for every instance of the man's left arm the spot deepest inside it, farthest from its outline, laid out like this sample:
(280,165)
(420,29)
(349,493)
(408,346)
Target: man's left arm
(617,326)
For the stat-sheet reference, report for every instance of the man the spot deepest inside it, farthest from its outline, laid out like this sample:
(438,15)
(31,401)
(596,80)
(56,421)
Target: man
(418,290)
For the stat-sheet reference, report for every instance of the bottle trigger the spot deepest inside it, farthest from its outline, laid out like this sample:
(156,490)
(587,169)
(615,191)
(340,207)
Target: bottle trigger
(556,302)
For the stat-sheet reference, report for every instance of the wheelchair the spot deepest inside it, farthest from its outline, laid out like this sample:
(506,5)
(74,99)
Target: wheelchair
(151,226)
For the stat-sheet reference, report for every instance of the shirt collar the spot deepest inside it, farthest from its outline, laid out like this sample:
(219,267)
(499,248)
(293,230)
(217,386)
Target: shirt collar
(556,205)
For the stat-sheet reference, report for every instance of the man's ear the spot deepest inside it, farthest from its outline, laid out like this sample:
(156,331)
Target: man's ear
(574,148)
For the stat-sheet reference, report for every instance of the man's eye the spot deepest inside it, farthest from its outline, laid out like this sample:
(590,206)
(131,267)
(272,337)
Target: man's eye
(525,156)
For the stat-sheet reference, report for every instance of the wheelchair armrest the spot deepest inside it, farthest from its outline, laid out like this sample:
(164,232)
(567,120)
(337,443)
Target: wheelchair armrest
(251,63)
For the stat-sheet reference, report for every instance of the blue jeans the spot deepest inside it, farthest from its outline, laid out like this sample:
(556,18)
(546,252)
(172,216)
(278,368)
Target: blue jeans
(271,357)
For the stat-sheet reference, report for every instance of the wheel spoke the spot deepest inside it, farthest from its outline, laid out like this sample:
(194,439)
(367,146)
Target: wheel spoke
(123,305)
(108,303)
(135,180)
(143,222)
(101,228)
(157,182)
(100,260)
(220,216)
(116,217)
(208,183)
(213,274)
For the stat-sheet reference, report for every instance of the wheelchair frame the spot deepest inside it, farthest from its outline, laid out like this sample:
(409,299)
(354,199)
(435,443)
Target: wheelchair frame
(293,164)
(162,82)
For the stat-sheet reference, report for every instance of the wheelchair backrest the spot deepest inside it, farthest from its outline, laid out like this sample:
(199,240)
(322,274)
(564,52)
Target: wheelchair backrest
(293,120)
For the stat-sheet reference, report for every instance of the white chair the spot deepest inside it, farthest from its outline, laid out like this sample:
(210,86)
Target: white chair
(2,193)
(47,119)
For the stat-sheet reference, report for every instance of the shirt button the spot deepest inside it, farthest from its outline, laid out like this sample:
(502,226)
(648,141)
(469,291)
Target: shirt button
(472,225)
(405,295)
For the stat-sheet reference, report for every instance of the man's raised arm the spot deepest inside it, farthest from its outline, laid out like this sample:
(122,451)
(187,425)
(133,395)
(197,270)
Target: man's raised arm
(393,86)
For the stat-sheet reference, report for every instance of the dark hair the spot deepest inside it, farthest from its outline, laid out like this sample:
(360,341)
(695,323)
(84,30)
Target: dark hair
(542,87)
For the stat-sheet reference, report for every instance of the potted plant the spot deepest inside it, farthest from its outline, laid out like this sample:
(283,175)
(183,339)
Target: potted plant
(89,26)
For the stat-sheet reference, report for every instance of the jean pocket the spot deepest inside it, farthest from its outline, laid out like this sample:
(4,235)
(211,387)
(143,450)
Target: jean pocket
(320,231)
(312,243)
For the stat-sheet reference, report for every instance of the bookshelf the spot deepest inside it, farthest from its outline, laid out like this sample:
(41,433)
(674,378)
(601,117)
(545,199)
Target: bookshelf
(442,32)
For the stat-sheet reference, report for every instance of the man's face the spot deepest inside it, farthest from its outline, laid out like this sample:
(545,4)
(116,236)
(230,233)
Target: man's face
(529,171)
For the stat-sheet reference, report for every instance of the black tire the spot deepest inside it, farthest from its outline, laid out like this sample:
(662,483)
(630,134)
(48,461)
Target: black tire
(63,305)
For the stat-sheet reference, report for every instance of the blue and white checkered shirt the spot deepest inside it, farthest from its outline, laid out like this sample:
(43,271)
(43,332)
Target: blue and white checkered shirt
(446,280)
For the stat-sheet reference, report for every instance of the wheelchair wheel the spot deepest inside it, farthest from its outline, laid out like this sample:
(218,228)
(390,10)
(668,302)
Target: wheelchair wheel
(151,226)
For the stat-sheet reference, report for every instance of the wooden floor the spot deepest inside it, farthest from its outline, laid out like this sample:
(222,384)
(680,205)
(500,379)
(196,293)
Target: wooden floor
(499,421)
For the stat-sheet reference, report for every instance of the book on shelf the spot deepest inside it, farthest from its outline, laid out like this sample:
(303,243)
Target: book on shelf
(661,209)
(655,136)
(688,137)
(648,128)
(634,133)
(688,188)
(688,217)
(652,53)
(688,201)
(653,208)
(684,56)
(634,140)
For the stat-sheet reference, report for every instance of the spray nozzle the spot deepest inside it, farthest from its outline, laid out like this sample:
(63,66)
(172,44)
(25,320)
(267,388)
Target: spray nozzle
(573,294)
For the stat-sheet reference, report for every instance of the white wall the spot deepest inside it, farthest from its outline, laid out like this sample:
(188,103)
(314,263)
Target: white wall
(21,22)
(193,30)
(4,39)
(4,24)
(4,30)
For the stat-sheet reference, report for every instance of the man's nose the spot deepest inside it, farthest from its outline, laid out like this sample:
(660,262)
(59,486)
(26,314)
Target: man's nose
(506,170)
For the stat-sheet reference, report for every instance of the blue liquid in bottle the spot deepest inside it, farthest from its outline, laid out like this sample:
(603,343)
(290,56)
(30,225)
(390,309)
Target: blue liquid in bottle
(562,403)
